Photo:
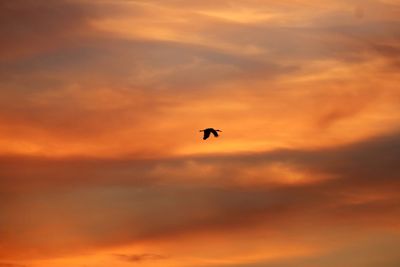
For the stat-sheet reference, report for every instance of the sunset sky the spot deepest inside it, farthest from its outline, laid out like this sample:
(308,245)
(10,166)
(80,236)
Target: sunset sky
(102,163)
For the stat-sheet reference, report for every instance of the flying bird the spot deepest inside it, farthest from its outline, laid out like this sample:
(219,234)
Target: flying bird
(208,131)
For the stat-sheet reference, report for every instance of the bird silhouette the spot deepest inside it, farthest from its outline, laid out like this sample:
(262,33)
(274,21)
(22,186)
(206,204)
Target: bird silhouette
(208,131)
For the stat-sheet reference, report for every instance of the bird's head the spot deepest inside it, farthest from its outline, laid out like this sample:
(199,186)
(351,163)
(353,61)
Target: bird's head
(201,131)
(218,130)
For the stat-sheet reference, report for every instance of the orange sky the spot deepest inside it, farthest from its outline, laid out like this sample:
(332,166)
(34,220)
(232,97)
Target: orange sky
(102,164)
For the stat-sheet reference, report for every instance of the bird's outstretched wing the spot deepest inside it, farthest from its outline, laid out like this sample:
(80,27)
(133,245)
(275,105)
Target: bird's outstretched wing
(206,135)
(214,132)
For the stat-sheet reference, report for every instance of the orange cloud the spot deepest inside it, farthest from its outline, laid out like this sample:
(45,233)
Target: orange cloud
(102,164)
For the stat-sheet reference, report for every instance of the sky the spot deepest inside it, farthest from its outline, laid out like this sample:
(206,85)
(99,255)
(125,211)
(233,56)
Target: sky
(102,162)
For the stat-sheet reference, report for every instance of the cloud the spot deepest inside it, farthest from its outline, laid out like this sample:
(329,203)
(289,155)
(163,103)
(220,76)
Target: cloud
(30,27)
(99,102)
(97,197)
(118,69)
(4,264)
(139,257)
(381,251)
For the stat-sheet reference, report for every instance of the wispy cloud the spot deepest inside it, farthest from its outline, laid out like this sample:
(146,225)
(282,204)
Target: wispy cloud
(4,264)
(140,257)
(100,154)
(164,198)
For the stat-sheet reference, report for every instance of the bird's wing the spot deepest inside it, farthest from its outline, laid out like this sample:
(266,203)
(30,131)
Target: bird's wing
(206,135)
(215,133)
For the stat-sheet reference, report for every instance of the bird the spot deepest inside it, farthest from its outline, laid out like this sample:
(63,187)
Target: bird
(208,131)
